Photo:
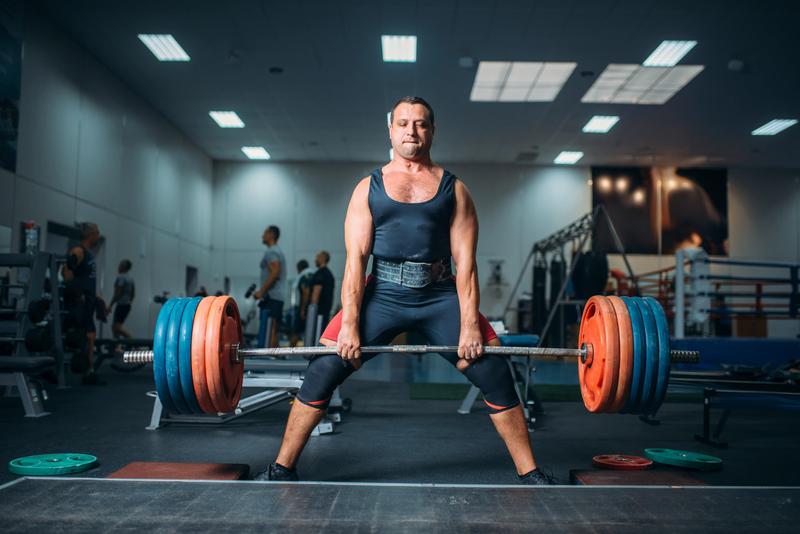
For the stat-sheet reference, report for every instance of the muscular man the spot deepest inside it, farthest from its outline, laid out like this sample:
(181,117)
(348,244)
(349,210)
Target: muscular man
(412,216)
(272,292)
(80,277)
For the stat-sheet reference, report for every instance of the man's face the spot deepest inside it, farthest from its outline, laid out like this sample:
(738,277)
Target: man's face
(93,238)
(411,131)
(319,260)
(265,237)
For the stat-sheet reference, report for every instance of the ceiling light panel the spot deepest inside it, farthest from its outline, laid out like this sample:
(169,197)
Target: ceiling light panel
(600,124)
(255,152)
(774,126)
(519,81)
(669,53)
(568,157)
(399,48)
(226,119)
(634,84)
(164,47)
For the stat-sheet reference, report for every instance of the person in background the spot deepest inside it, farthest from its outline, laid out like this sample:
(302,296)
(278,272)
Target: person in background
(272,292)
(301,295)
(322,287)
(124,293)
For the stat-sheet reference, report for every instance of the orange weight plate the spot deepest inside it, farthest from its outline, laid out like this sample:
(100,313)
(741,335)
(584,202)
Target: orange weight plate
(224,377)
(625,354)
(599,374)
(199,356)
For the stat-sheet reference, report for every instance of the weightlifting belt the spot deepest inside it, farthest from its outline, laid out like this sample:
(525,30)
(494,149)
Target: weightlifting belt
(411,273)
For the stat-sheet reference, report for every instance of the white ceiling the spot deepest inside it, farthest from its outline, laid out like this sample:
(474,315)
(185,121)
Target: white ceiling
(330,102)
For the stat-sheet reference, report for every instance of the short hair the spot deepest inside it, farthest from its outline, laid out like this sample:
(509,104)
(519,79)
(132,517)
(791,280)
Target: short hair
(325,255)
(413,100)
(302,265)
(126,265)
(275,231)
(87,228)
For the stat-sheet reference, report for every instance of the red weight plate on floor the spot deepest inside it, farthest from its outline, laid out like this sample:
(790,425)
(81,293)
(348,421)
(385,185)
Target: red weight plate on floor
(599,374)
(199,356)
(621,462)
(625,354)
(224,377)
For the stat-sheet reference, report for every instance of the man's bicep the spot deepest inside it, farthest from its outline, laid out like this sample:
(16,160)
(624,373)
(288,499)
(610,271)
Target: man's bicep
(274,266)
(358,222)
(464,226)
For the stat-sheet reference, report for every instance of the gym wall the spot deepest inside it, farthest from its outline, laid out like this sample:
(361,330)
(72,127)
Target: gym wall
(90,149)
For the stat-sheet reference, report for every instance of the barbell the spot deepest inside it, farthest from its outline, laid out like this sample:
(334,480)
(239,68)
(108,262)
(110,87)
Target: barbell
(623,359)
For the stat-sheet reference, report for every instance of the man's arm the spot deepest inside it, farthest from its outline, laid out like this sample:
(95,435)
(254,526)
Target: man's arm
(315,293)
(117,295)
(463,243)
(358,242)
(274,272)
(74,258)
(304,295)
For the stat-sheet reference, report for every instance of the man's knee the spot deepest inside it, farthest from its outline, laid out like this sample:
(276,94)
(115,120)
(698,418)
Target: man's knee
(491,374)
(324,374)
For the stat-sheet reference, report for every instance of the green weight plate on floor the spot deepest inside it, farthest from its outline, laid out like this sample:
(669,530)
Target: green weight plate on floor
(185,355)
(692,460)
(637,375)
(650,353)
(52,464)
(172,364)
(159,356)
(662,378)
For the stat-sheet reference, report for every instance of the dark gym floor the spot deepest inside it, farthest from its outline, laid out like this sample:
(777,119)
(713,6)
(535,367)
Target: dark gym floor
(388,437)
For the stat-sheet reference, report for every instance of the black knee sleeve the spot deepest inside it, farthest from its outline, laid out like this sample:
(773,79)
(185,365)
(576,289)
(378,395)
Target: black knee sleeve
(492,376)
(324,374)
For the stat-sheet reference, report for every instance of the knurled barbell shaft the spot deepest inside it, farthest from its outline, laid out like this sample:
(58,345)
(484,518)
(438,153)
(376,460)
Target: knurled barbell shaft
(146,356)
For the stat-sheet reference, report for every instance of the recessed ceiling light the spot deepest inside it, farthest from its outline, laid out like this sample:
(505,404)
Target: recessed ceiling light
(568,157)
(600,124)
(399,48)
(774,126)
(226,119)
(633,84)
(164,47)
(255,152)
(519,81)
(669,53)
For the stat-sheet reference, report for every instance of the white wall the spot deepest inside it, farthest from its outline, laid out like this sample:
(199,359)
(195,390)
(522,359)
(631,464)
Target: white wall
(90,149)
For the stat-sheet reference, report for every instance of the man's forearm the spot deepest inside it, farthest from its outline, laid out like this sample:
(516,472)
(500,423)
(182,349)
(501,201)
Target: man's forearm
(268,283)
(468,295)
(352,290)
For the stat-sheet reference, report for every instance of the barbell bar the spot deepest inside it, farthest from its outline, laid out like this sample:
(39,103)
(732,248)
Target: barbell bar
(623,359)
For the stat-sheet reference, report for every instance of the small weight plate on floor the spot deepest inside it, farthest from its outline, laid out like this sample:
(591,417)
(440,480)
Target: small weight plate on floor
(650,355)
(171,356)
(199,356)
(621,462)
(223,375)
(159,356)
(52,464)
(637,371)
(692,460)
(599,374)
(664,363)
(625,354)
(185,354)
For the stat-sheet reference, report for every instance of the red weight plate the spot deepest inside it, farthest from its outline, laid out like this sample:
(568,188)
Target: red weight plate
(599,374)
(621,462)
(625,354)
(199,356)
(224,377)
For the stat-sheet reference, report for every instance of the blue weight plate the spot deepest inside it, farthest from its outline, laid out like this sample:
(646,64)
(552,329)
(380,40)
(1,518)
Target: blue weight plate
(185,355)
(159,357)
(650,355)
(662,330)
(637,375)
(171,356)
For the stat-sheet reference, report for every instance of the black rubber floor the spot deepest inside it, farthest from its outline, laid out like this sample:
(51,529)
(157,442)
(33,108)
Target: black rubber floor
(92,505)
(388,437)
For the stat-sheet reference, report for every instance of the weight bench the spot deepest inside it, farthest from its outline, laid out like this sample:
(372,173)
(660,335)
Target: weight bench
(14,373)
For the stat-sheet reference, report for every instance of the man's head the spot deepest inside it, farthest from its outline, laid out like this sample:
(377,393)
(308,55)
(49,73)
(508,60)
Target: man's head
(322,258)
(90,234)
(271,235)
(411,128)
(302,265)
(124,266)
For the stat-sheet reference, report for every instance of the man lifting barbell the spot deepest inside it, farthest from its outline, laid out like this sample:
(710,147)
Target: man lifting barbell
(412,216)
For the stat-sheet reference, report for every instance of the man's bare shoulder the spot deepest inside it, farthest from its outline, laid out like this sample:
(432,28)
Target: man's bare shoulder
(362,188)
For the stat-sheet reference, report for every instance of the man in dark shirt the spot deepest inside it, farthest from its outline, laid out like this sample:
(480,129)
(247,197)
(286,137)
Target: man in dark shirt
(322,287)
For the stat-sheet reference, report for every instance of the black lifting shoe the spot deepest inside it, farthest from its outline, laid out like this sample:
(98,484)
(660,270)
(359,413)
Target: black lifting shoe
(278,473)
(537,477)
